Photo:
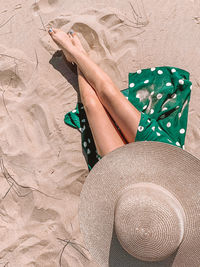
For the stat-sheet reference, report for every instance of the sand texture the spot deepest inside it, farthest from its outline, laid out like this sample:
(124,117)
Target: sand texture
(42,165)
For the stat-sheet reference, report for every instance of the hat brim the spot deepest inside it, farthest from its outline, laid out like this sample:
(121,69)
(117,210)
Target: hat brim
(163,164)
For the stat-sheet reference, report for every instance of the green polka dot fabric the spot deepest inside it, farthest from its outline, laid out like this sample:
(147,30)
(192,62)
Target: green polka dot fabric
(161,94)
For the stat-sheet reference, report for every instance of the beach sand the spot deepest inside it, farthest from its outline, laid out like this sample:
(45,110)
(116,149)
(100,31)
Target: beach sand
(42,165)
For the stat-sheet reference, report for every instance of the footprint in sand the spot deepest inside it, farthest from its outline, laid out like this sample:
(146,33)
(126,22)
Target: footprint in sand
(104,35)
(46,6)
(24,122)
(11,83)
(15,72)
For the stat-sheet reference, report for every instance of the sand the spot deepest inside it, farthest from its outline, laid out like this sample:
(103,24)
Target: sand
(42,165)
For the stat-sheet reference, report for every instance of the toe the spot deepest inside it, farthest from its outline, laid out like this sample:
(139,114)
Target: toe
(76,39)
(75,36)
(55,30)
(69,34)
(52,30)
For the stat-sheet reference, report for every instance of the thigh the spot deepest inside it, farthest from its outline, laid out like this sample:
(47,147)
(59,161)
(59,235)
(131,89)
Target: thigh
(105,134)
(126,116)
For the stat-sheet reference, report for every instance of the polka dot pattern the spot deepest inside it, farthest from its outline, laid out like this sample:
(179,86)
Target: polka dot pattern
(178,144)
(158,94)
(168,84)
(84,144)
(182,131)
(140,128)
(144,107)
(174,96)
(88,151)
(181,81)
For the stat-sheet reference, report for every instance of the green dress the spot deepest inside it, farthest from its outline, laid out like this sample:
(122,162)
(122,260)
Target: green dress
(161,94)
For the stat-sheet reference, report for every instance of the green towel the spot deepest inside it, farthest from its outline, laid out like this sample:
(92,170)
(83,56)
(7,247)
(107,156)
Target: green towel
(161,94)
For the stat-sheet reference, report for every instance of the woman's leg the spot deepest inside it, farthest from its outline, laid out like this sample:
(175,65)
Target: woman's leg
(105,134)
(122,111)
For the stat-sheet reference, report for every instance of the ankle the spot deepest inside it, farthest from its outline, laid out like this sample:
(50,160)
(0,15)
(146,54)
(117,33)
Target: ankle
(77,54)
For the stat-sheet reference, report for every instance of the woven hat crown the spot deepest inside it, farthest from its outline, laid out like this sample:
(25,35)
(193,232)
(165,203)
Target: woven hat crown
(149,221)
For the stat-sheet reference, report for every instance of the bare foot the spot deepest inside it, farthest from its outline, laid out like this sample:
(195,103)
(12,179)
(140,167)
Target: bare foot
(69,43)
(77,42)
(63,40)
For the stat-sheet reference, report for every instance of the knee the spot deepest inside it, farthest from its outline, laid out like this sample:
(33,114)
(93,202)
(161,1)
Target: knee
(108,90)
(91,103)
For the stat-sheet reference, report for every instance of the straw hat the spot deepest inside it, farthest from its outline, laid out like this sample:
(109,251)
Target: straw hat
(140,206)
